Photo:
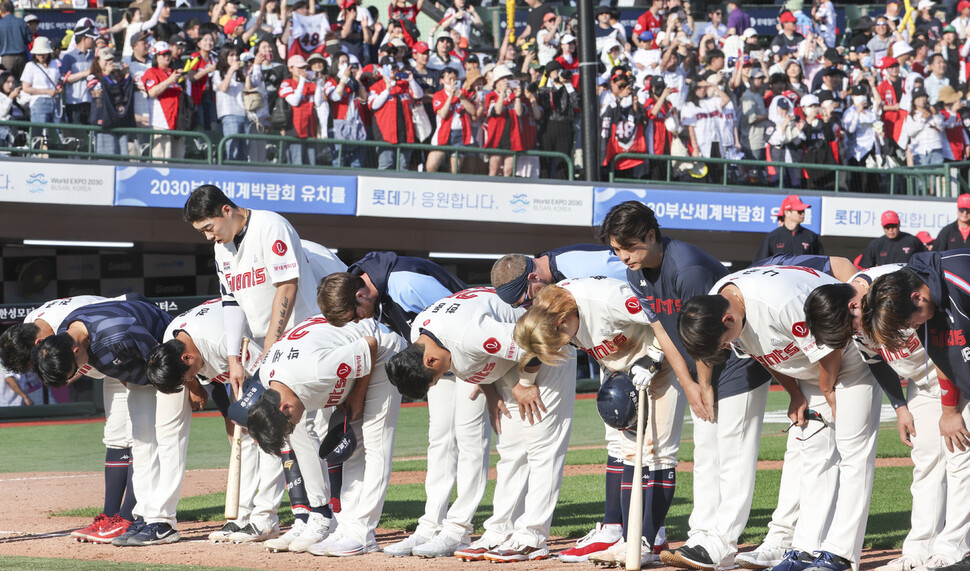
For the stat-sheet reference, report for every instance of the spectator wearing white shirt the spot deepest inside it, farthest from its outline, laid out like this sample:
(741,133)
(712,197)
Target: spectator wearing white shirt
(646,58)
(134,26)
(231,78)
(859,122)
(42,81)
(547,38)
(824,13)
(962,22)
(460,17)
(708,117)
(921,132)
(714,27)
(936,78)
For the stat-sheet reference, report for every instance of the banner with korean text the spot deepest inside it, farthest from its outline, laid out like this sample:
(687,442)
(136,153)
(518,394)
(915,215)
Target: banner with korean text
(848,216)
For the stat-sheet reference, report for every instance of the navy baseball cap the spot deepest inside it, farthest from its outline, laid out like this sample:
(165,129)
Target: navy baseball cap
(251,390)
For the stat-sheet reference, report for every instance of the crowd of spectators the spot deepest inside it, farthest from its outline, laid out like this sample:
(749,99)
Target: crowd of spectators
(888,91)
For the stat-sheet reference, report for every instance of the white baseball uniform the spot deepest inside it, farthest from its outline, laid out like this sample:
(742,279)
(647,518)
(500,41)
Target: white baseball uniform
(321,364)
(615,330)
(476,327)
(261,484)
(775,334)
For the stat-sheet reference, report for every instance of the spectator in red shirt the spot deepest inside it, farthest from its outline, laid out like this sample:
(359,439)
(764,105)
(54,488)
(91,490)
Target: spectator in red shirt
(164,86)
(649,21)
(499,104)
(300,93)
(345,91)
(200,86)
(390,100)
(527,114)
(404,9)
(568,60)
(454,110)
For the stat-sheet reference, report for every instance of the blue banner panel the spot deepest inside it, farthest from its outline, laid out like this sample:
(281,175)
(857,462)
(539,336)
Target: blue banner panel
(689,210)
(165,187)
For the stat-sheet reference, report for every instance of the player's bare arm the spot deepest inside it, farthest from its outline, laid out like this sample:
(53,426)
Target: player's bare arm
(354,405)
(906,425)
(676,361)
(197,394)
(952,428)
(282,309)
(797,404)
(704,374)
(526,394)
(496,406)
(828,374)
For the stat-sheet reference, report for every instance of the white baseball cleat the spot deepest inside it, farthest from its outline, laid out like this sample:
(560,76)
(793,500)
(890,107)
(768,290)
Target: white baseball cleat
(317,529)
(223,534)
(253,534)
(902,563)
(441,545)
(601,538)
(282,543)
(337,545)
(765,556)
(406,546)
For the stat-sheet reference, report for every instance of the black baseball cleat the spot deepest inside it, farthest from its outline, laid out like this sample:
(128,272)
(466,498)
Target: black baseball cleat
(696,557)
(961,565)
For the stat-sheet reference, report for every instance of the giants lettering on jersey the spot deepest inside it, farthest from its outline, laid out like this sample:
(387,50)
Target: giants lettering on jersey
(338,389)
(777,356)
(660,306)
(481,375)
(912,344)
(607,347)
(947,338)
(253,277)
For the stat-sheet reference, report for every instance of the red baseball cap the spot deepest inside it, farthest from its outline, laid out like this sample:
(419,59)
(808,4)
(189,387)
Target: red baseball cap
(787,17)
(888,62)
(347,4)
(963,201)
(889,218)
(792,202)
(420,48)
(960,7)
(924,237)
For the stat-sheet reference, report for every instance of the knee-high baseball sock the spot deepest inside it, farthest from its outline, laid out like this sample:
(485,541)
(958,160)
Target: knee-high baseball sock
(625,487)
(613,512)
(299,500)
(129,504)
(116,462)
(658,494)
(336,474)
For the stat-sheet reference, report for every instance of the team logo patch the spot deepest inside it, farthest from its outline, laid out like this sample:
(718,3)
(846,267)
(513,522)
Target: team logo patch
(343,371)
(272,373)
(492,345)
(279,247)
(633,305)
(184,323)
(799,329)
(426,322)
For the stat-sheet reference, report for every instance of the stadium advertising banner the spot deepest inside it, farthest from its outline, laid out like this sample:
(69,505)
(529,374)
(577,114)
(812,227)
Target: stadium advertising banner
(54,183)
(438,199)
(687,210)
(166,187)
(845,216)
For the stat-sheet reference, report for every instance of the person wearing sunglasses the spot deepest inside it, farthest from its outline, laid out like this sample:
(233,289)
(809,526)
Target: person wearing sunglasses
(315,366)
(760,312)
(956,235)
(893,247)
(790,237)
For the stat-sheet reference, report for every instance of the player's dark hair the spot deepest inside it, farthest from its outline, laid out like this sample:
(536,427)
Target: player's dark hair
(54,359)
(888,307)
(205,202)
(337,297)
(700,327)
(15,346)
(267,424)
(166,369)
(407,372)
(629,223)
(827,314)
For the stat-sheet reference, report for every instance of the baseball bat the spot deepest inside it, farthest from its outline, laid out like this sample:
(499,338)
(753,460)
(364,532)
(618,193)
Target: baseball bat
(634,526)
(235,458)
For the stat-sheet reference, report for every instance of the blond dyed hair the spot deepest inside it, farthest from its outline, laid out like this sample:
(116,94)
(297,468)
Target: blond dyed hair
(537,331)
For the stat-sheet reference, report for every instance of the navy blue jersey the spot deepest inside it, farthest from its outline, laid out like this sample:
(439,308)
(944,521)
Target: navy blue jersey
(584,261)
(687,271)
(122,334)
(947,274)
(816,262)
(406,286)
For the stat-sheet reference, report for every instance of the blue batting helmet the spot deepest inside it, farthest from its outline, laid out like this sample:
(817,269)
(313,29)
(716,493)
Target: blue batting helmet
(616,402)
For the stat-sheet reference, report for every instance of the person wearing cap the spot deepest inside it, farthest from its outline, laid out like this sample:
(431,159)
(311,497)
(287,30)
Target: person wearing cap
(390,100)
(231,78)
(138,63)
(891,91)
(568,60)
(926,239)
(547,39)
(75,64)
(164,86)
(426,77)
(15,38)
(962,21)
(42,81)
(754,118)
(604,30)
(895,246)
(821,134)
(454,110)
(791,237)
(347,94)
(112,90)
(785,142)
(956,235)
(443,55)
(337,366)
(502,106)
(788,38)
(926,22)
(560,106)
(351,32)
(302,95)
(33,25)
(859,121)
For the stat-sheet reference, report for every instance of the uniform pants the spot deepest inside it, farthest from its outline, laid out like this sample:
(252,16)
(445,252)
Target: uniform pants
(665,423)
(784,518)
(305,442)
(929,488)
(952,542)
(117,424)
(459,433)
(261,485)
(368,470)
(725,464)
(160,431)
(531,459)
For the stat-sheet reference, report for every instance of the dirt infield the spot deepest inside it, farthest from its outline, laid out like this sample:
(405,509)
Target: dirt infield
(27,527)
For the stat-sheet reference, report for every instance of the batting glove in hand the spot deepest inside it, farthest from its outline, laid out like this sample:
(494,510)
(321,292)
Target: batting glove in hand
(645,369)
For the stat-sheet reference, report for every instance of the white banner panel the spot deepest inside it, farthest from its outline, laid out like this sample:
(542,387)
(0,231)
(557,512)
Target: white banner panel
(861,217)
(57,183)
(438,199)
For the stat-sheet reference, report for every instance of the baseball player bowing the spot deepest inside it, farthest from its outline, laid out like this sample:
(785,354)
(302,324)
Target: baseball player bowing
(603,317)
(932,295)
(517,278)
(193,355)
(834,316)
(115,338)
(268,281)
(727,403)
(315,366)
(394,289)
(760,311)
(16,344)
(471,334)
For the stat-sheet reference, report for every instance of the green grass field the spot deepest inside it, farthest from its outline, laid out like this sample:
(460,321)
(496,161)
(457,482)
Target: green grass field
(580,503)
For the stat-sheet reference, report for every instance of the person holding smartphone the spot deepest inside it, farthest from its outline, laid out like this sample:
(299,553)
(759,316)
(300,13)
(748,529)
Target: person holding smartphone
(163,83)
